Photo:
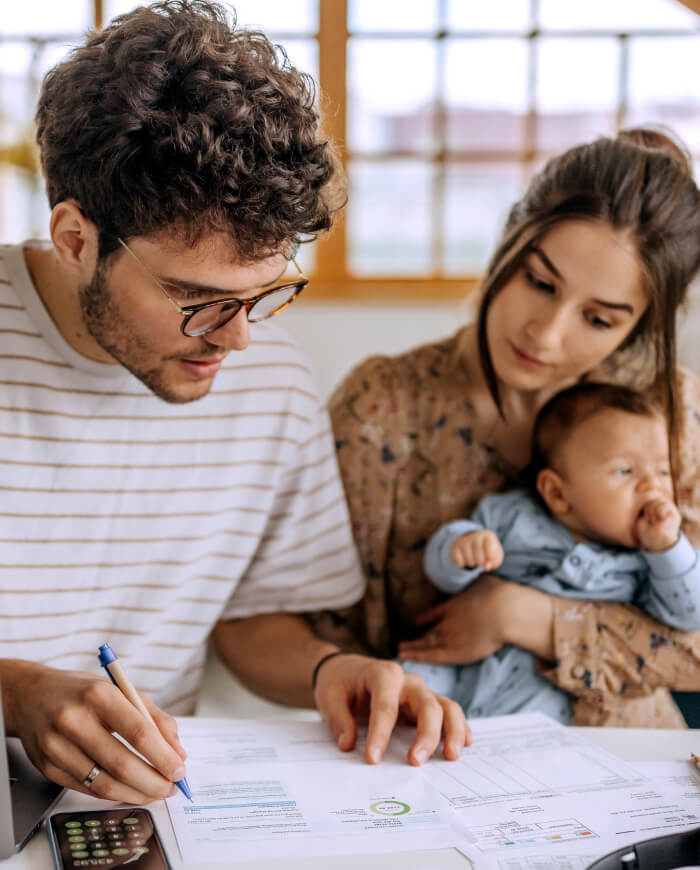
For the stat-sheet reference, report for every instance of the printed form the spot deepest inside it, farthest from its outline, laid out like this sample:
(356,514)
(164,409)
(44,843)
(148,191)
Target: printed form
(266,790)
(529,794)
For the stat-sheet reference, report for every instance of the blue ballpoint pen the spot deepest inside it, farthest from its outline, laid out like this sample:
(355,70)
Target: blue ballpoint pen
(115,671)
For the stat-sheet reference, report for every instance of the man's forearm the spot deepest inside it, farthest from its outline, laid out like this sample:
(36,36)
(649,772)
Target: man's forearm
(273,655)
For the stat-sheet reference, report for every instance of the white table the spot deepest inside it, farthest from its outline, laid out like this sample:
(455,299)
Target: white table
(630,744)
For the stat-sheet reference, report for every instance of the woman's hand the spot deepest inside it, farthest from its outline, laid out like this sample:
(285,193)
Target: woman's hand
(473,625)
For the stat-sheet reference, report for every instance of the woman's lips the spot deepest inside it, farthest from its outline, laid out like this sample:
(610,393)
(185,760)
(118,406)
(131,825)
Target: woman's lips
(203,369)
(526,359)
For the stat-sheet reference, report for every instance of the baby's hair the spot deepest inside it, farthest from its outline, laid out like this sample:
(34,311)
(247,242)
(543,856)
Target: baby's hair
(569,408)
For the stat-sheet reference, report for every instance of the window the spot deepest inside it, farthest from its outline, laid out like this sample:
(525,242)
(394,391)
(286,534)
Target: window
(443,109)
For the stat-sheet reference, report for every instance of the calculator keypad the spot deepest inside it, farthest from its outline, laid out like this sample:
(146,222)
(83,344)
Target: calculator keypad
(107,840)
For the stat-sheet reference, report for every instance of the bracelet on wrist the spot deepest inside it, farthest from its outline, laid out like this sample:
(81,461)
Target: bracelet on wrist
(321,662)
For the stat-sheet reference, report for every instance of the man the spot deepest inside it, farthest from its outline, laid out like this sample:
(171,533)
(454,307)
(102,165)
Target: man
(183,164)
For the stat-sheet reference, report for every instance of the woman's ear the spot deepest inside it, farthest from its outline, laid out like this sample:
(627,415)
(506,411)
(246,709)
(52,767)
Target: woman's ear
(551,487)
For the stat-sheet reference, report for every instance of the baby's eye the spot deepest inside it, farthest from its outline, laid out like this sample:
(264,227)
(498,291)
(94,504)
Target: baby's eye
(624,472)
(538,284)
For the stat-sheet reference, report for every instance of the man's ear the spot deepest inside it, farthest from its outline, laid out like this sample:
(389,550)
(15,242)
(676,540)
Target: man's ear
(75,239)
(551,487)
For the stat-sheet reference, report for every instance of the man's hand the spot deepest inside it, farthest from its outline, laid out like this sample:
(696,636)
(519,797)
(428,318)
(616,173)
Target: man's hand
(477,549)
(353,685)
(659,525)
(489,613)
(66,721)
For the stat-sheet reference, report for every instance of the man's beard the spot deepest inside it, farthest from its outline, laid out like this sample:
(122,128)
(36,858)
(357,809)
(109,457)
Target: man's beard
(106,324)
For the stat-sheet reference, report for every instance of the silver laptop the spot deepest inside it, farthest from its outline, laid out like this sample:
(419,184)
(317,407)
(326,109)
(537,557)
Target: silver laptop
(25,795)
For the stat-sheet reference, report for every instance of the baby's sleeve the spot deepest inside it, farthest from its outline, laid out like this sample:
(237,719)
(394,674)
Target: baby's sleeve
(671,591)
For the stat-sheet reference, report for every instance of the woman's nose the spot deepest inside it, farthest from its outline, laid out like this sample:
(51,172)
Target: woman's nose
(545,328)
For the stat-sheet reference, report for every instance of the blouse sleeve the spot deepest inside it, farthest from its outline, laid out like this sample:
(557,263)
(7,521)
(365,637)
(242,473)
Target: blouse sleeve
(605,652)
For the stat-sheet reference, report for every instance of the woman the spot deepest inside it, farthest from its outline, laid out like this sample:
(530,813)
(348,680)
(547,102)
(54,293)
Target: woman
(586,282)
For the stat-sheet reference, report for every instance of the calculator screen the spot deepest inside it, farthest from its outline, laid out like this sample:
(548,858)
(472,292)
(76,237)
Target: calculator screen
(108,838)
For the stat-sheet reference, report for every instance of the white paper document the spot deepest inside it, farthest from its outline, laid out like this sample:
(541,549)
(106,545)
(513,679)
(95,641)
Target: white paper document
(274,790)
(529,794)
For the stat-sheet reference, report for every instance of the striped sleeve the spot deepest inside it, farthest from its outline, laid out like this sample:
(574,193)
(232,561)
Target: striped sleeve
(306,559)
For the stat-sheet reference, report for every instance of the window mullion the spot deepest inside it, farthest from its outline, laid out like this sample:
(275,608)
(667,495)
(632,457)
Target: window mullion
(331,262)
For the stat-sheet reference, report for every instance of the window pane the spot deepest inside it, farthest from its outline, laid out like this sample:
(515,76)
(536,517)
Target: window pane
(494,15)
(577,90)
(17,92)
(616,15)
(393,15)
(68,16)
(282,16)
(663,85)
(485,93)
(477,201)
(23,208)
(389,226)
(391,93)
(303,53)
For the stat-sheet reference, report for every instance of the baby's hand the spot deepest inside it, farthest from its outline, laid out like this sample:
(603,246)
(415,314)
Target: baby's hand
(474,549)
(659,525)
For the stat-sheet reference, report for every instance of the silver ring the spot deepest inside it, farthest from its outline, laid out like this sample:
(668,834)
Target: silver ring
(92,776)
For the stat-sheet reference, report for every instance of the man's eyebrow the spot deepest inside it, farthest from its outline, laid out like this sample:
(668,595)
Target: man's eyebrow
(616,306)
(205,288)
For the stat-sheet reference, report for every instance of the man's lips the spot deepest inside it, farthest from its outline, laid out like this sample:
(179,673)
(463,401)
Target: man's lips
(202,368)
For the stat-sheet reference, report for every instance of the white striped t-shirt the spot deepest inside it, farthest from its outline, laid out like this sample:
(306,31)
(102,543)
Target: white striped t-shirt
(128,520)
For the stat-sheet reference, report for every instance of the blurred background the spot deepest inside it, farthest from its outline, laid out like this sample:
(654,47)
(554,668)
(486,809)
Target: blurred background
(443,109)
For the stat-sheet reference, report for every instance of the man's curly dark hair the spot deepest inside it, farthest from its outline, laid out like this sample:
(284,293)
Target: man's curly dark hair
(172,118)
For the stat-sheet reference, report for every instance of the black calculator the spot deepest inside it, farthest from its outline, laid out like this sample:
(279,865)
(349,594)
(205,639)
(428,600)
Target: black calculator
(107,838)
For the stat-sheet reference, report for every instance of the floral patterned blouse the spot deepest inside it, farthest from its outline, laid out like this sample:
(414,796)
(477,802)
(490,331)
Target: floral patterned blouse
(413,456)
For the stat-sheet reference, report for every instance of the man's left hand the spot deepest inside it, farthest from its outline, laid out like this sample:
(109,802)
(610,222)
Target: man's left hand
(351,685)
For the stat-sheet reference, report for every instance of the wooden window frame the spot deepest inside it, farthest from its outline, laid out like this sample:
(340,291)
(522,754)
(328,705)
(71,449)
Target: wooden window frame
(331,279)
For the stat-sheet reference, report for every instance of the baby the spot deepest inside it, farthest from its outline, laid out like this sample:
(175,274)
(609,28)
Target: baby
(602,524)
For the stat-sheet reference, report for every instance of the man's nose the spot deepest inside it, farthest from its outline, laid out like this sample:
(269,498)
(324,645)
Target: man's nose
(234,335)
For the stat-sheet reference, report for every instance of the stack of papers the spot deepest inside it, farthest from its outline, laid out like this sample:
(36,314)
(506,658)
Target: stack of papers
(529,794)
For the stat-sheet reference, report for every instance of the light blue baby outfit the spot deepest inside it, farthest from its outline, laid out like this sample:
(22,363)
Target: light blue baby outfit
(541,553)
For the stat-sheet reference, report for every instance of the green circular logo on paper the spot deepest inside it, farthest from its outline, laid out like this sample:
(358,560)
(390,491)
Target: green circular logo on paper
(390,808)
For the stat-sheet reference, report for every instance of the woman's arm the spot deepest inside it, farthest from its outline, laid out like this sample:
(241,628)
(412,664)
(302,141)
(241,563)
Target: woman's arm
(597,651)
(476,623)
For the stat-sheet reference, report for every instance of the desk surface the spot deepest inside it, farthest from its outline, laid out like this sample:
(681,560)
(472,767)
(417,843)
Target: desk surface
(630,744)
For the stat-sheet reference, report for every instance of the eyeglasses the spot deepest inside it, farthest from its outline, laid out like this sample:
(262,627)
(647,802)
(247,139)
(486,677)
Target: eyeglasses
(207,317)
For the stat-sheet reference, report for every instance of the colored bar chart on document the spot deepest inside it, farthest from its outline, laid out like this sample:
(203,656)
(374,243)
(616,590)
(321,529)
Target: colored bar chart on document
(279,790)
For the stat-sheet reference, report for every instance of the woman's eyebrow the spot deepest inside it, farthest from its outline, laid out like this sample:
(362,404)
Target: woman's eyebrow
(204,288)
(547,262)
(616,306)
